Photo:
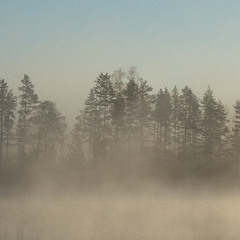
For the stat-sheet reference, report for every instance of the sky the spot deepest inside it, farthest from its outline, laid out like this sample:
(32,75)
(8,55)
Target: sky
(64,45)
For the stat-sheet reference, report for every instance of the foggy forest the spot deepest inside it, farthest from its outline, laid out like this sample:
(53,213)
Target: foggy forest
(129,142)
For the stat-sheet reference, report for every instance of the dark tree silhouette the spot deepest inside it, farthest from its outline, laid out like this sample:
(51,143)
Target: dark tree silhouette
(235,138)
(7,107)
(49,129)
(28,103)
(162,116)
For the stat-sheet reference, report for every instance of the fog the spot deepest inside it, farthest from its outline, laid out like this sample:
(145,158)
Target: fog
(142,216)
(136,165)
(108,129)
(133,207)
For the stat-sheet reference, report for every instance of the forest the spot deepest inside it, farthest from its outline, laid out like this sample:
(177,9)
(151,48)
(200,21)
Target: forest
(125,129)
(137,164)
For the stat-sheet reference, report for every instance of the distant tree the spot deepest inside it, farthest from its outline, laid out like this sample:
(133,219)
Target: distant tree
(223,131)
(131,94)
(190,121)
(28,102)
(75,152)
(3,94)
(105,95)
(118,121)
(9,121)
(175,119)
(210,125)
(162,115)
(117,80)
(235,138)
(7,107)
(132,74)
(50,128)
(145,108)
(90,125)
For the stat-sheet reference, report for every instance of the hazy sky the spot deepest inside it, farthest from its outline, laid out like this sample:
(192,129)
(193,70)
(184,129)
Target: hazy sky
(64,45)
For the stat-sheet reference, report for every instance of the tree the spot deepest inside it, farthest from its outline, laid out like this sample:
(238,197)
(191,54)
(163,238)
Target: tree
(236,130)
(118,121)
(145,107)
(223,131)
(131,94)
(76,153)
(50,128)
(105,95)
(9,117)
(3,94)
(175,119)
(28,102)
(89,120)
(162,115)
(7,107)
(190,120)
(210,126)
(117,80)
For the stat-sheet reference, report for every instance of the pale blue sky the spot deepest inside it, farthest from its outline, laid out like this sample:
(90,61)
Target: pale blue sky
(64,45)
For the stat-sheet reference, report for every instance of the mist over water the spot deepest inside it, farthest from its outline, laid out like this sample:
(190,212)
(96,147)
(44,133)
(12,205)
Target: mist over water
(150,156)
(136,165)
(163,216)
(137,208)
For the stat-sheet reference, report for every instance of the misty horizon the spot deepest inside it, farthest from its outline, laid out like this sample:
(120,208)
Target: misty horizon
(119,120)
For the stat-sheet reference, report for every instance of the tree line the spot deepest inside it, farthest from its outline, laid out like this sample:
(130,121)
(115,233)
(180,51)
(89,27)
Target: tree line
(30,129)
(123,121)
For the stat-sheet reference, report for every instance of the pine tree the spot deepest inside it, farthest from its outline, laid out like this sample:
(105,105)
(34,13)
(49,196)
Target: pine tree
(3,94)
(145,108)
(235,138)
(175,119)
(50,128)
(131,93)
(190,120)
(28,102)
(209,125)
(118,121)
(223,131)
(7,107)
(76,151)
(162,114)
(105,95)
(9,117)
(89,120)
